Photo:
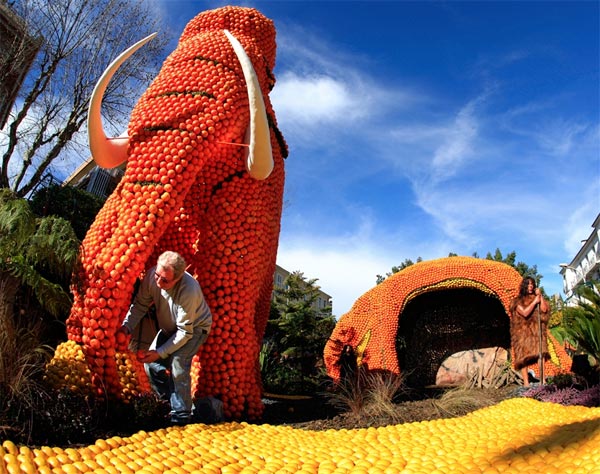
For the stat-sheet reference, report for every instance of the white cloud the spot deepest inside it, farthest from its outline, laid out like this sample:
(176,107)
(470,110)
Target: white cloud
(549,129)
(322,88)
(344,272)
(559,136)
(456,147)
(347,263)
(440,145)
(313,100)
(476,180)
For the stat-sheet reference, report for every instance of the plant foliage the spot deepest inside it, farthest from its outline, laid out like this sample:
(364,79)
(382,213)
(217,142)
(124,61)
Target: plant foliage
(571,395)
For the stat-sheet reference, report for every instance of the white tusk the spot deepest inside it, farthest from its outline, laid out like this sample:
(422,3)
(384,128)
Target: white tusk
(260,156)
(108,152)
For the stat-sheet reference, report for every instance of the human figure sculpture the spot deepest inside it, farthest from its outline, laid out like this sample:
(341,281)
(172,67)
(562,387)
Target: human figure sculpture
(530,313)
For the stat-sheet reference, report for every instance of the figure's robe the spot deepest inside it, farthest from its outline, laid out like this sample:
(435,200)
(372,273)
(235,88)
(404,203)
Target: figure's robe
(525,334)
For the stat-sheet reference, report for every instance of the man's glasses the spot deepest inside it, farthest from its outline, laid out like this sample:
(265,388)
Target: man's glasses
(162,279)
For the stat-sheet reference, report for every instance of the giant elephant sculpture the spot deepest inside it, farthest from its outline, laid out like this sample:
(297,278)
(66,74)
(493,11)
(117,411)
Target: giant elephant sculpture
(205,178)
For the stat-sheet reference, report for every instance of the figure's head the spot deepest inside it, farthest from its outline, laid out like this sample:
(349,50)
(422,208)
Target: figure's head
(170,268)
(224,38)
(244,23)
(527,287)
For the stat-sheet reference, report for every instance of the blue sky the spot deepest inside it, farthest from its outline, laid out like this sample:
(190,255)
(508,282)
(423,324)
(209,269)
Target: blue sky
(417,129)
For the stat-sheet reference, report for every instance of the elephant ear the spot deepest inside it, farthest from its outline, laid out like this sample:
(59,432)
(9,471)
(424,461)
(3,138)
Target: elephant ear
(259,160)
(108,152)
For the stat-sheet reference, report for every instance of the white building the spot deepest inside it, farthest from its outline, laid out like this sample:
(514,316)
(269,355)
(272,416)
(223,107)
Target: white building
(93,179)
(585,266)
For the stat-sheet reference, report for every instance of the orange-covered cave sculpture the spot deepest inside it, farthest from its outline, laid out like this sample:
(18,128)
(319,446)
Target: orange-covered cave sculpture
(204,178)
(415,319)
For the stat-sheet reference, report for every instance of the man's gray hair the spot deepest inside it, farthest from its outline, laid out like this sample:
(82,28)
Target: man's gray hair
(174,261)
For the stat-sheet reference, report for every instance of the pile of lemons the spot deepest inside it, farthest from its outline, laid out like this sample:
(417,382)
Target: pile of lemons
(70,369)
(518,435)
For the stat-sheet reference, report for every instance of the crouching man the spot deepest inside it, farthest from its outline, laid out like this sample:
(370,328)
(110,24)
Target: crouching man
(184,321)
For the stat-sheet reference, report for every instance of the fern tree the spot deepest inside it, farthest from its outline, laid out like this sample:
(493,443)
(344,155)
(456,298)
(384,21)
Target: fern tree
(36,255)
(581,323)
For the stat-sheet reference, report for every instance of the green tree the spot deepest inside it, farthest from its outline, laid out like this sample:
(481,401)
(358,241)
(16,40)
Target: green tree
(509,259)
(295,337)
(407,263)
(521,267)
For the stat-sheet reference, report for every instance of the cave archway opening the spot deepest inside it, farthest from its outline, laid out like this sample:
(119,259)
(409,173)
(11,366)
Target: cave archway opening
(437,324)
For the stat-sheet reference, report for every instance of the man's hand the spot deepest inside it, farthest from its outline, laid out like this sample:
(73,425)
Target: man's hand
(147,357)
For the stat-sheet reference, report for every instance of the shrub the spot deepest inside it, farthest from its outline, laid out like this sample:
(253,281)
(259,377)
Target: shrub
(22,360)
(75,205)
(64,418)
(460,400)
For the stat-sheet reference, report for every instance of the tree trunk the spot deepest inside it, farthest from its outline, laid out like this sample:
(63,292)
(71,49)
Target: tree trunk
(9,286)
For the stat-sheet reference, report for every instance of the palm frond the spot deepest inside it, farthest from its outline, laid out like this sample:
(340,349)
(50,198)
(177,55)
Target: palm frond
(581,323)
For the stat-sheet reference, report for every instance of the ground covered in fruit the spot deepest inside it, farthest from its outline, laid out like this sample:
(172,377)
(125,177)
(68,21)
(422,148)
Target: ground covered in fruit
(515,435)
(508,430)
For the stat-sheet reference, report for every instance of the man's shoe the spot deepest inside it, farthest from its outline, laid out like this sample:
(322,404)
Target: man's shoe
(180,421)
